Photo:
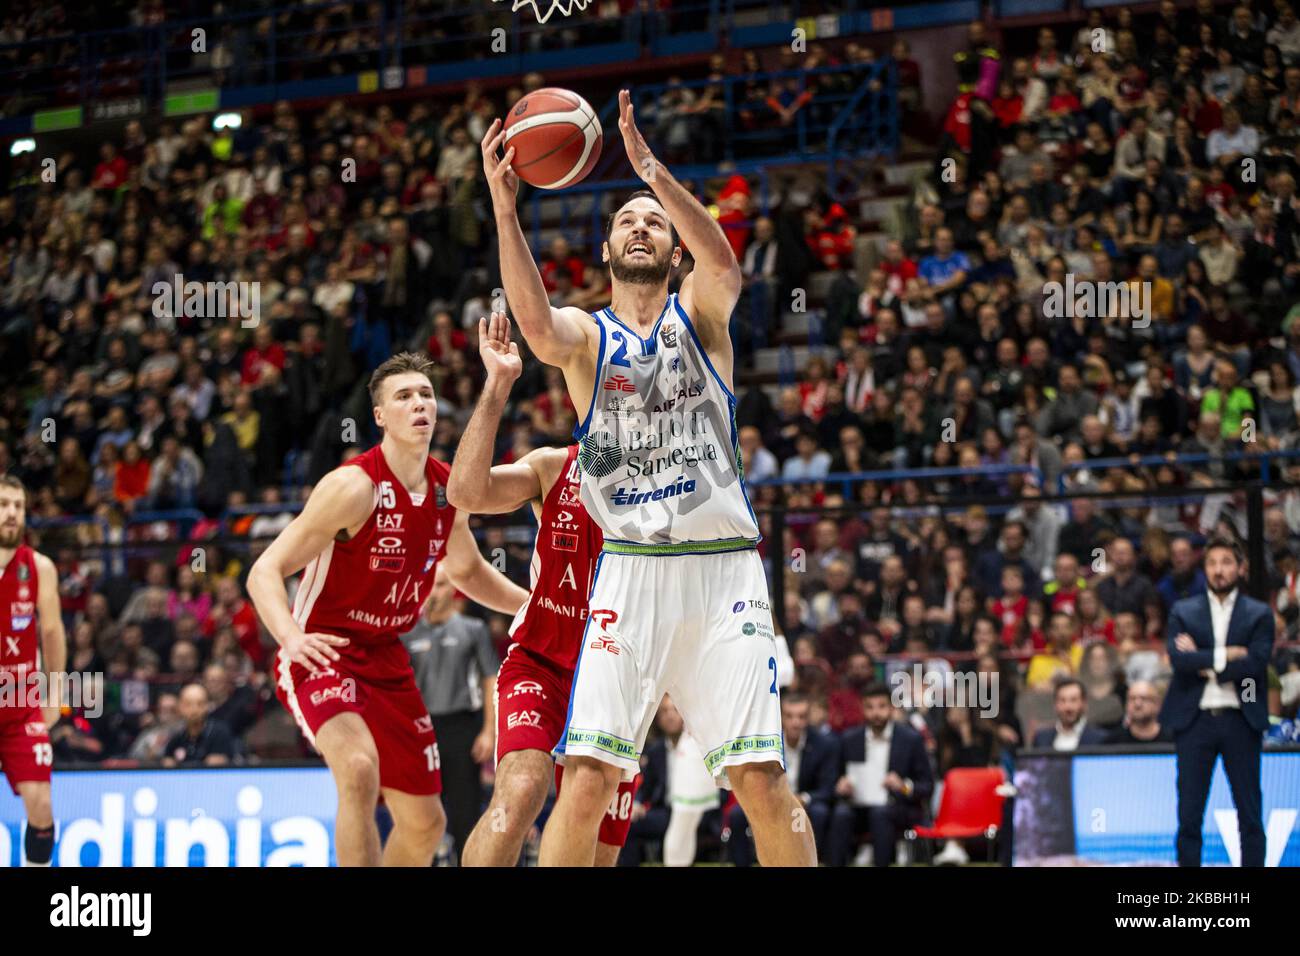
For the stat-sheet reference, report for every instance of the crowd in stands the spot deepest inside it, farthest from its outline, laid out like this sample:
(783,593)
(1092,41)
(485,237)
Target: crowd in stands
(931,346)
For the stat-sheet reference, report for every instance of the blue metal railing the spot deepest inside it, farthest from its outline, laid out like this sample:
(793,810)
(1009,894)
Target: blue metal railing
(847,479)
(1264,459)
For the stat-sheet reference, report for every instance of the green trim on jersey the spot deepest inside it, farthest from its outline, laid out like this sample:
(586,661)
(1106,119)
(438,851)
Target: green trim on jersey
(684,547)
(601,740)
(742,745)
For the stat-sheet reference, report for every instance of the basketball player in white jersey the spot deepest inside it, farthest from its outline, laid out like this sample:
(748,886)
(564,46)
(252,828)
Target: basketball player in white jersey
(680,601)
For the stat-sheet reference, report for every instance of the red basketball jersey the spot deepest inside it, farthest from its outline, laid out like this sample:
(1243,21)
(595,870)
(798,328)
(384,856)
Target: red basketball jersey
(19,640)
(551,623)
(370,588)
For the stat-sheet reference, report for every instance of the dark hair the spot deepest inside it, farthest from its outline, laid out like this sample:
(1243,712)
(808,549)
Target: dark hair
(795,697)
(1068,682)
(876,689)
(1223,541)
(399,363)
(639,194)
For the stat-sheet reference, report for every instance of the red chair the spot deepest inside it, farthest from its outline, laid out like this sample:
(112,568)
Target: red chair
(971,806)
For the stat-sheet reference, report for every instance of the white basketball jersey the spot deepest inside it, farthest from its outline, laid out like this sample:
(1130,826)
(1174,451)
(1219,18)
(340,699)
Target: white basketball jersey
(661,469)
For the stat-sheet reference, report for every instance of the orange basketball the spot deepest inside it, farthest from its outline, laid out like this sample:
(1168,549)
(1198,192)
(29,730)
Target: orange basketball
(556,136)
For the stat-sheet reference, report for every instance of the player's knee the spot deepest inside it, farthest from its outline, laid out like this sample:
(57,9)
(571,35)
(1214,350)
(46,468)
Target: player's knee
(358,773)
(426,825)
(519,798)
(759,786)
(592,783)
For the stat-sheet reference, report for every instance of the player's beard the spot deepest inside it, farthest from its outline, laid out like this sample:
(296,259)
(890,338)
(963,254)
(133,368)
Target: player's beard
(11,537)
(652,273)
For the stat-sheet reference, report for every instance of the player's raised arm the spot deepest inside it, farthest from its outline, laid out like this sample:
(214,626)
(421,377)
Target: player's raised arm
(555,335)
(473,576)
(474,485)
(54,642)
(712,290)
(343,499)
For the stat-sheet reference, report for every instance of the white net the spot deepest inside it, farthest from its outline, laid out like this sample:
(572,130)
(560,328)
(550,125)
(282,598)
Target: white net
(565,7)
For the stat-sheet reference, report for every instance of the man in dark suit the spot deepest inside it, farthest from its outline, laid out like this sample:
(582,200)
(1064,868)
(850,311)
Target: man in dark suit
(1219,647)
(887,784)
(1072,729)
(812,765)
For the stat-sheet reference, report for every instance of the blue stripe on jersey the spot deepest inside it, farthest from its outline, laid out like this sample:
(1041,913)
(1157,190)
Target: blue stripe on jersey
(650,345)
(703,354)
(568,716)
(580,431)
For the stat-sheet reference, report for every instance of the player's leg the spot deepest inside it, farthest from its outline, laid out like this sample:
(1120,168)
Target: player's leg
(410,771)
(607,854)
(350,752)
(418,825)
(532,705)
(38,841)
(522,781)
(730,702)
(616,824)
(782,831)
(571,833)
(616,688)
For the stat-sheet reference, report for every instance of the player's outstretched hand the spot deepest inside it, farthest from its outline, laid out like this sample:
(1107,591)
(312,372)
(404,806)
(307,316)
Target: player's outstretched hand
(638,150)
(500,355)
(313,651)
(503,184)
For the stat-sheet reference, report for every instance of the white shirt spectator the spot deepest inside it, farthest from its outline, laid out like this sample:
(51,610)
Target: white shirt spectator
(799,469)
(761,465)
(1068,739)
(1216,694)
(869,777)
(1245,142)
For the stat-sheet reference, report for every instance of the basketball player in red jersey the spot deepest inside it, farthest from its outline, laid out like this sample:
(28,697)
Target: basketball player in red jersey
(371,538)
(31,635)
(535,678)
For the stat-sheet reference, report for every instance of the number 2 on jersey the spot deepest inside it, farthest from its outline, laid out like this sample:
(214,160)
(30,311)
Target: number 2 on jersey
(620,354)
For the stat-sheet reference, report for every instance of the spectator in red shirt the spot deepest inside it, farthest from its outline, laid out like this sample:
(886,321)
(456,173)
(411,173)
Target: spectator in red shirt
(561,258)
(844,705)
(812,391)
(131,482)
(112,170)
(234,611)
(734,214)
(1008,104)
(265,351)
(1012,607)
(830,237)
(446,338)
(897,266)
(1095,622)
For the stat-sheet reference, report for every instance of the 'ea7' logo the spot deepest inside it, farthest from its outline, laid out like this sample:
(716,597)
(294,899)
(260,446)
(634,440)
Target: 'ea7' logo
(565,8)
(604,618)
